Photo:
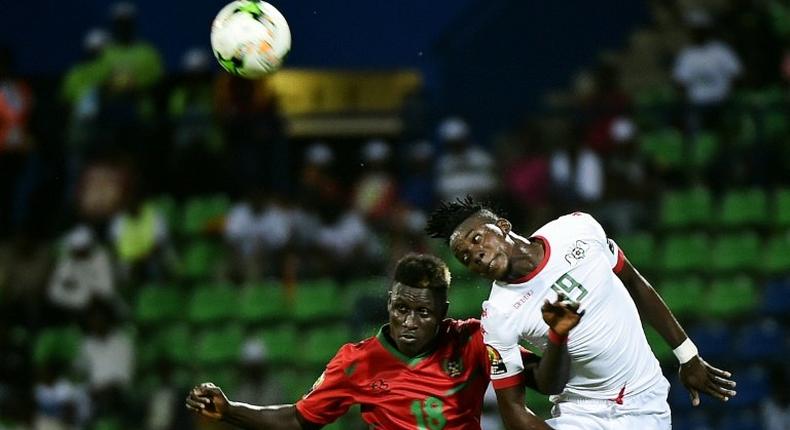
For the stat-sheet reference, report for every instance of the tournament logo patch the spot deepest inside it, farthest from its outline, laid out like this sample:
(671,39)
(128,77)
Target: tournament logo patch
(453,368)
(578,252)
(495,358)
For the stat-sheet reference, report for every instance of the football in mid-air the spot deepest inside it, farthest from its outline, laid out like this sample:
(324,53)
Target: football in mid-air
(250,38)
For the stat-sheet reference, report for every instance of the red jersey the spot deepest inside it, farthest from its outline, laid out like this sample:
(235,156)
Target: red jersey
(442,389)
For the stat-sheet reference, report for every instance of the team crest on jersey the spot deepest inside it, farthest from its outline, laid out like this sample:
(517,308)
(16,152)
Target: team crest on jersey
(578,252)
(495,358)
(453,368)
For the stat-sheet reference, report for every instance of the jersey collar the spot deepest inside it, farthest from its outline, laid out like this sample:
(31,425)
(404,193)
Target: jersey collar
(383,338)
(540,266)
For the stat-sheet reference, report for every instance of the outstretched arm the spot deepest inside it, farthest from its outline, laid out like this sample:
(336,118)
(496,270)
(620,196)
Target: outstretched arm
(514,414)
(695,373)
(209,401)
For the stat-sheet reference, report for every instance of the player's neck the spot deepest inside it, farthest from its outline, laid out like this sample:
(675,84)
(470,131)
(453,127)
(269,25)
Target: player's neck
(527,255)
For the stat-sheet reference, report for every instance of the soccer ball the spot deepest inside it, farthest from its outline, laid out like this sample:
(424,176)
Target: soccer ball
(250,38)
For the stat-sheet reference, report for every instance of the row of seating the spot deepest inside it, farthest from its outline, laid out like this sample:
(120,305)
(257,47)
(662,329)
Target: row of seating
(698,252)
(696,207)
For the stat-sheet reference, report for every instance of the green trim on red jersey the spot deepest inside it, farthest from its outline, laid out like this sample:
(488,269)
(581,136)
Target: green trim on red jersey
(409,361)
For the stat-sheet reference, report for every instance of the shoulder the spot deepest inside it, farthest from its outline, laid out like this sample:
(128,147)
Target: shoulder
(570,224)
(461,329)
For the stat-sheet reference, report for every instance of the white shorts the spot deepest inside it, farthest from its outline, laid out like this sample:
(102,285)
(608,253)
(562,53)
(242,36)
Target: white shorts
(648,410)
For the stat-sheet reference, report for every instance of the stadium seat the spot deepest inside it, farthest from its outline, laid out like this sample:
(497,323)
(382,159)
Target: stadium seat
(200,259)
(219,346)
(213,303)
(657,343)
(686,208)
(776,298)
(168,207)
(640,249)
(781,208)
(59,344)
(736,252)
(159,304)
(761,341)
(739,419)
(776,256)
(370,287)
(683,252)
(744,207)
(263,302)
(467,296)
(683,296)
(704,148)
(753,386)
(775,124)
(730,297)
(173,343)
(664,147)
(281,343)
(712,339)
(322,343)
(318,299)
(202,214)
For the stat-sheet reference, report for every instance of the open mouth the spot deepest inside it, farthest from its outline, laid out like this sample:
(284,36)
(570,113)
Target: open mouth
(408,338)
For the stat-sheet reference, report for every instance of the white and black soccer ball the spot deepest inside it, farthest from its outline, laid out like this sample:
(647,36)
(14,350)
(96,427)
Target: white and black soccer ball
(250,38)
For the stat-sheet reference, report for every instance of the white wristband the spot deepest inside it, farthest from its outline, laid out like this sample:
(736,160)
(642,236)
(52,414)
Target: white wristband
(686,351)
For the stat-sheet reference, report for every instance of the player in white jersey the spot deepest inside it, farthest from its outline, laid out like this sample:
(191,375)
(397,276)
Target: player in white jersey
(616,381)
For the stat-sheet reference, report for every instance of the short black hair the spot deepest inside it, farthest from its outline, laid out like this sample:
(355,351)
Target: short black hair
(423,271)
(449,215)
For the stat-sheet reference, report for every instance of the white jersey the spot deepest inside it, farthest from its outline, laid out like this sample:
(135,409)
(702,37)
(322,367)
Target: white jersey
(609,353)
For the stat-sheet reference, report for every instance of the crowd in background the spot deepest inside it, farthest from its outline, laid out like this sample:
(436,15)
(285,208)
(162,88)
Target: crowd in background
(92,168)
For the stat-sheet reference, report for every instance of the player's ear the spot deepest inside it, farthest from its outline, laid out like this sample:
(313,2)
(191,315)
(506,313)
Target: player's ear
(504,225)
(445,309)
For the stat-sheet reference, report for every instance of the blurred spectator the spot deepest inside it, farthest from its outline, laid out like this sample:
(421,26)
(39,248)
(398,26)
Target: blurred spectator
(706,69)
(61,404)
(527,179)
(346,244)
(196,159)
(258,383)
(25,264)
(603,105)
(375,191)
(106,356)
(319,185)
(417,189)
(165,406)
(15,372)
(101,191)
(140,237)
(776,409)
(464,168)
(407,234)
(249,115)
(16,101)
(577,173)
(84,272)
(258,231)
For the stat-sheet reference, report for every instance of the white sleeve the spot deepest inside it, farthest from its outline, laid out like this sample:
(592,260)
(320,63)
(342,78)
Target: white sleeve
(500,335)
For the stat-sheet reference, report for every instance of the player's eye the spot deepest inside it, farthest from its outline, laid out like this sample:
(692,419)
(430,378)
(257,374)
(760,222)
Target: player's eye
(424,312)
(402,309)
(477,238)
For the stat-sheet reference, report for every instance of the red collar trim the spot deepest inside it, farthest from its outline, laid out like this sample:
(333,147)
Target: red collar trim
(541,265)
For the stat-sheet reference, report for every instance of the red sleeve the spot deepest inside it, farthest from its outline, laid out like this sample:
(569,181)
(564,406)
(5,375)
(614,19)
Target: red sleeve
(620,261)
(332,394)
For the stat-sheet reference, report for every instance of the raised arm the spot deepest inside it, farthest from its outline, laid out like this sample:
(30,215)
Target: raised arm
(209,401)
(695,373)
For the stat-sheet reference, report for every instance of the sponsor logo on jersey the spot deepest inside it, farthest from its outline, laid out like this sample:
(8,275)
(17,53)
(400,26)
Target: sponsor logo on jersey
(495,358)
(453,368)
(523,299)
(379,386)
(577,252)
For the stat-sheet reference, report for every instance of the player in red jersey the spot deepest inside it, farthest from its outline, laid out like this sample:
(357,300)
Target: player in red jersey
(421,371)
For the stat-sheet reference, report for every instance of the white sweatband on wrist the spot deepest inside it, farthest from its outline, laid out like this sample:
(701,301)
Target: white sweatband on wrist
(686,351)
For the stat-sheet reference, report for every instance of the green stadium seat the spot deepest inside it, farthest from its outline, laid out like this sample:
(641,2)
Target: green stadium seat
(686,208)
(168,207)
(281,343)
(173,343)
(322,343)
(665,147)
(744,207)
(371,287)
(263,302)
(781,208)
(640,248)
(683,296)
(704,147)
(201,259)
(683,252)
(736,252)
(731,297)
(467,296)
(158,304)
(775,124)
(318,299)
(776,256)
(657,343)
(216,347)
(213,303)
(59,344)
(201,213)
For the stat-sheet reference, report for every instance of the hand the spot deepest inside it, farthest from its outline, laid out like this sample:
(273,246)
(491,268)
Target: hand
(697,375)
(562,315)
(209,401)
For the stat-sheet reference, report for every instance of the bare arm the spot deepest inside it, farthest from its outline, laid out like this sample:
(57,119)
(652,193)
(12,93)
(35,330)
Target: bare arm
(514,414)
(209,401)
(696,374)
